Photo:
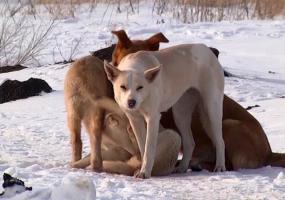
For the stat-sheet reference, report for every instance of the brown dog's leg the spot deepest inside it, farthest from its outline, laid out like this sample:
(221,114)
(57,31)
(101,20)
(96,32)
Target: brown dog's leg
(240,147)
(74,125)
(94,126)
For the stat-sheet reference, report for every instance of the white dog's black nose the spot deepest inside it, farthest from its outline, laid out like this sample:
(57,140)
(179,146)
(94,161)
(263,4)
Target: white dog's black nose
(131,103)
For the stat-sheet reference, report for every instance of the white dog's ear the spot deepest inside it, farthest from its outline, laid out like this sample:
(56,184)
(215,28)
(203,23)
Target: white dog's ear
(111,71)
(152,73)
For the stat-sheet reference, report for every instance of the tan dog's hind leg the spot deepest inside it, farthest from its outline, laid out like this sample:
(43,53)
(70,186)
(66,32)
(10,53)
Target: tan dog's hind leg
(115,153)
(94,126)
(74,125)
(83,163)
(118,167)
(122,162)
(182,113)
(122,167)
(110,154)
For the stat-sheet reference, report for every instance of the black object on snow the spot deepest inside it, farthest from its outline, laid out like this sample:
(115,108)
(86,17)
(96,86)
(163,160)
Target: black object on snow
(12,90)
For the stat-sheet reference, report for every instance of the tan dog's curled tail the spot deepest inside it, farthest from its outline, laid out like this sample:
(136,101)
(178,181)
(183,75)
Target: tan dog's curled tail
(110,105)
(105,103)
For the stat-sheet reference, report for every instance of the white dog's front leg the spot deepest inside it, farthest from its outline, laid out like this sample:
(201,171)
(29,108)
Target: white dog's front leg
(138,125)
(150,147)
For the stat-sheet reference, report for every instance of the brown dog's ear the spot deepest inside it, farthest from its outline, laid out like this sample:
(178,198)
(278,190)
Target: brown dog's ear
(154,41)
(111,71)
(152,73)
(123,38)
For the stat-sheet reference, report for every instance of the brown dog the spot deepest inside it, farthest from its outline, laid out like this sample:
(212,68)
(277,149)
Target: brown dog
(85,82)
(125,46)
(245,141)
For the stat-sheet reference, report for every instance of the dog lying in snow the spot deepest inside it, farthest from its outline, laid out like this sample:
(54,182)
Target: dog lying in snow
(85,82)
(120,153)
(184,76)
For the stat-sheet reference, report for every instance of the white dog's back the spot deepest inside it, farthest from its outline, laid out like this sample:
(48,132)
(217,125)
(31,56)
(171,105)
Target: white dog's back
(179,63)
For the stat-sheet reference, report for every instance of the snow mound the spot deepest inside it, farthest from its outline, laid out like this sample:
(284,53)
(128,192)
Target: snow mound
(74,187)
(279,181)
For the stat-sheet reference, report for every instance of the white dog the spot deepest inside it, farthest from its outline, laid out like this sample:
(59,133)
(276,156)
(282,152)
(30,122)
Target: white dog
(148,83)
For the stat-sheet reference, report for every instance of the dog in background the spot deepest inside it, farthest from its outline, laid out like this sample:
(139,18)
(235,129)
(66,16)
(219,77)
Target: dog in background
(125,46)
(86,82)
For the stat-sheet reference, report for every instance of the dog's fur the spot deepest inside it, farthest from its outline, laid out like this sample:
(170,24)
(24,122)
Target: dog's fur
(85,82)
(183,76)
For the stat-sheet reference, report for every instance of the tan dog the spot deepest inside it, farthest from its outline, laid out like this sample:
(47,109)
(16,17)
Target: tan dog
(86,81)
(184,76)
(117,157)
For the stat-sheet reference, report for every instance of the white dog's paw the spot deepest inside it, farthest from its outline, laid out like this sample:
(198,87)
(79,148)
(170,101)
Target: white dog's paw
(142,175)
(220,168)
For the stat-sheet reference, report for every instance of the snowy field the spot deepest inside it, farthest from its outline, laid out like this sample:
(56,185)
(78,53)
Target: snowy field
(34,139)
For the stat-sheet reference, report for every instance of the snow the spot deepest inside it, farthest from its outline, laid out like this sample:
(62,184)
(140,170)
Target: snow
(35,140)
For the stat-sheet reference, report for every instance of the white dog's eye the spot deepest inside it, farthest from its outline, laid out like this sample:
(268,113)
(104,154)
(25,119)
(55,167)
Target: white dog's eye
(139,88)
(123,87)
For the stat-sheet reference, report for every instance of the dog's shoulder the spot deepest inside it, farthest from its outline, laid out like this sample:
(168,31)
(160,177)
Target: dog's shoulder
(86,64)
(187,47)
(88,60)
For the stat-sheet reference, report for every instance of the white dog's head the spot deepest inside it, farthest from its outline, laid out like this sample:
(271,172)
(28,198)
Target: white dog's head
(131,88)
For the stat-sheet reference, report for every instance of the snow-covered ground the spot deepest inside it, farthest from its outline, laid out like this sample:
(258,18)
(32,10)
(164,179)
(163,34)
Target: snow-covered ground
(34,140)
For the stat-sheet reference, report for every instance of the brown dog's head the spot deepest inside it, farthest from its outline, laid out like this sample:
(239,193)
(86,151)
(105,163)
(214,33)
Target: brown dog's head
(126,46)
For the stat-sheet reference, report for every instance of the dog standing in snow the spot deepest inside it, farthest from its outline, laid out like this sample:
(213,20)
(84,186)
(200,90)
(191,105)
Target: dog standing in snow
(86,82)
(184,76)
